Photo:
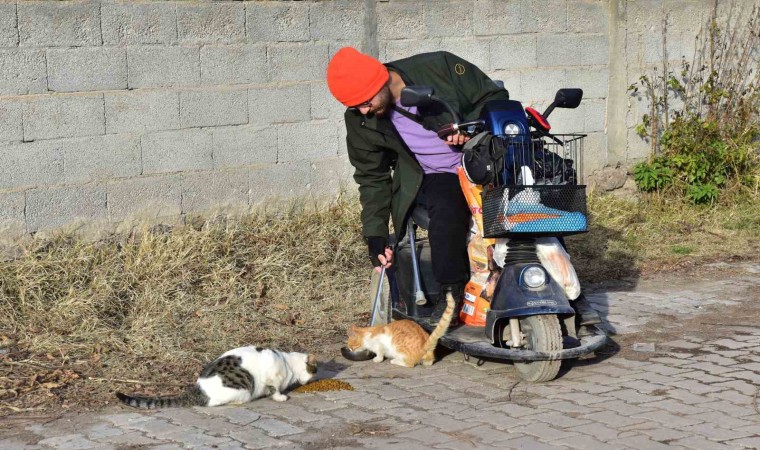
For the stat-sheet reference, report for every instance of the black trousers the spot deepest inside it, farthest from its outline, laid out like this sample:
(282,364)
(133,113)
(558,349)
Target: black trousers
(449,214)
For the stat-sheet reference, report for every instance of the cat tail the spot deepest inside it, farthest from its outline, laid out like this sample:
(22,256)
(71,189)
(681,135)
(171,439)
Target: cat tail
(442,327)
(193,396)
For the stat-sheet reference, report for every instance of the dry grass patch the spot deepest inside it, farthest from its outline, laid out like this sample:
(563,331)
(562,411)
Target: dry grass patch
(150,308)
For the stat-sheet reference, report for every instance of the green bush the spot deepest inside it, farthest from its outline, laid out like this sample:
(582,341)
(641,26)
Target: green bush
(710,146)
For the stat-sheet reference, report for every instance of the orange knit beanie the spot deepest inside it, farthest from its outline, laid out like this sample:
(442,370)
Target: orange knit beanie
(354,78)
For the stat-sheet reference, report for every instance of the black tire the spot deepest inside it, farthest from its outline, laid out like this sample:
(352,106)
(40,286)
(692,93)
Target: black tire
(384,308)
(543,334)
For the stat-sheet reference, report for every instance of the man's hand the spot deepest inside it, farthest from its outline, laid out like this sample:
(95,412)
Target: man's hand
(457,139)
(386,260)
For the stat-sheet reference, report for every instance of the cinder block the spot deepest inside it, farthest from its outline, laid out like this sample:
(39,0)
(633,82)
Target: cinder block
(87,69)
(331,21)
(204,191)
(513,52)
(595,115)
(453,19)
(594,153)
(210,108)
(511,79)
(556,50)
(243,146)
(277,21)
(397,20)
(59,24)
(587,16)
(645,16)
(101,157)
(496,18)
(476,51)
(8,28)
(56,207)
(12,220)
(63,115)
(10,120)
(297,62)
(595,49)
(310,141)
(163,66)
(593,81)
(283,104)
(538,87)
(176,151)
(279,181)
(145,198)
(691,15)
(233,64)
(394,50)
(141,110)
(211,23)
(543,16)
(565,121)
(331,176)
(22,72)
(323,104)
(638,148)
(31,164)
(139,23)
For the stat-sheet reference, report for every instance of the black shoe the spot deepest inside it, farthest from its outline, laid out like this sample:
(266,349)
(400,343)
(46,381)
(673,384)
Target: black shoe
(584,312)
(457,290)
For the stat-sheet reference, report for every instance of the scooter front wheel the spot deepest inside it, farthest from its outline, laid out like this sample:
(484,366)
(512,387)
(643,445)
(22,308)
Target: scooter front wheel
(542,334)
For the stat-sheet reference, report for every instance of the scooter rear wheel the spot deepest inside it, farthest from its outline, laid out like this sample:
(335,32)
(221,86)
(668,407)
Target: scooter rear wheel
(543,334)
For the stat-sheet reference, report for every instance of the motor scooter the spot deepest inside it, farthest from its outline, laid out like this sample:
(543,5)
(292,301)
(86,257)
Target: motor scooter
(517,305)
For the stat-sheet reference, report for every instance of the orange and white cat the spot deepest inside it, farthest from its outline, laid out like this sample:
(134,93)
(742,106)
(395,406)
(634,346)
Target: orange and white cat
(403,341)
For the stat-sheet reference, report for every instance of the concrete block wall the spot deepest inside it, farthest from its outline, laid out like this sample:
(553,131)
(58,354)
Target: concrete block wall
(114,110)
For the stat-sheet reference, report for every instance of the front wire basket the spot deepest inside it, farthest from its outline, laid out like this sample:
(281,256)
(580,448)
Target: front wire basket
(540,190)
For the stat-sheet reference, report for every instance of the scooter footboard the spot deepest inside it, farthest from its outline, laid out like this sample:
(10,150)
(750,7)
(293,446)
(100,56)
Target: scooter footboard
(469,341)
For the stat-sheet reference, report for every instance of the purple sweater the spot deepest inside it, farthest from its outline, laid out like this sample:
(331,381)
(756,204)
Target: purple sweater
(433,154)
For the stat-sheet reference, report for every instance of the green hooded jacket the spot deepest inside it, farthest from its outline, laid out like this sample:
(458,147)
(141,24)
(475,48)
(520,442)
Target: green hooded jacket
(387,172)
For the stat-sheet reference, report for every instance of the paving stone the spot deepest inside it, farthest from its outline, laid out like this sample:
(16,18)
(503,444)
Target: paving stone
(255,438)
(547,433)
(527,442)
(740,385)
(276,428)
(234,414)
(700,443)
(722,420)
(133,438)
(731,343)
(69,442)
(155,427)
(710,431)
(639,442)
(103,431)
(669,419)
(598,430)
(126,418)
(427,436)
(192,437)
(657,432)
(588,442)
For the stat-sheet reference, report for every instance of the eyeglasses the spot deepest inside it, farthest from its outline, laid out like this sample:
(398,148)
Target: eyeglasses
(368,103)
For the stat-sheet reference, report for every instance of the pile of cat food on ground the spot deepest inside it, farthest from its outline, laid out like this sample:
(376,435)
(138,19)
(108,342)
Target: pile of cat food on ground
(327,384)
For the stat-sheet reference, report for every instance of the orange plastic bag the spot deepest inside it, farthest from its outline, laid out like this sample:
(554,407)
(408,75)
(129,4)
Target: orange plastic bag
(477,292)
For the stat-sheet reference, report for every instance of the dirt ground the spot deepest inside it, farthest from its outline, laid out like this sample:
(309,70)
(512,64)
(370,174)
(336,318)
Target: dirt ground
(40,387)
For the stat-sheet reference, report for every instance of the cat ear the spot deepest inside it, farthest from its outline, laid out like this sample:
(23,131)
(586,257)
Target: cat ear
(352,330)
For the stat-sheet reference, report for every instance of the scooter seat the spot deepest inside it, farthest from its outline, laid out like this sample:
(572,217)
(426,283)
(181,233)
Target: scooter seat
(420,217)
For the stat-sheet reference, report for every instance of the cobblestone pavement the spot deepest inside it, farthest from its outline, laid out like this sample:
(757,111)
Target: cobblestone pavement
(697,388)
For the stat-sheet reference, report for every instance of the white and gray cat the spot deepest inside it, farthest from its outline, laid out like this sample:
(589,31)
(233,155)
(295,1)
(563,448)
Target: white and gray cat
(238,376)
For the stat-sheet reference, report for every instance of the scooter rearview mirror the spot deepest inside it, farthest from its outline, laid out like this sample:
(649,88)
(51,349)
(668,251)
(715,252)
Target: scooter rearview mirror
(568,98)
(416,96)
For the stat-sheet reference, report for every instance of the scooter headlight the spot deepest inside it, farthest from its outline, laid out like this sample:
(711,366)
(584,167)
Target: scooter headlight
(511,129)
(533,276)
